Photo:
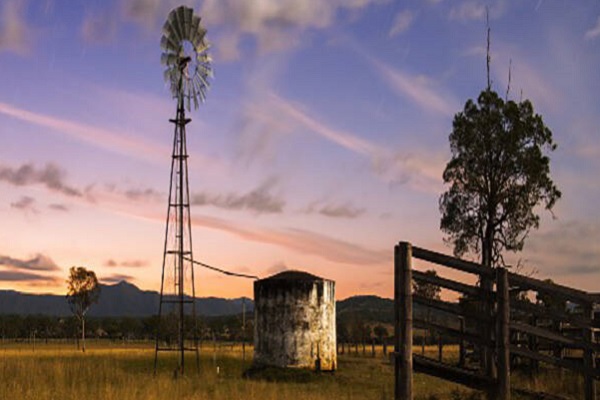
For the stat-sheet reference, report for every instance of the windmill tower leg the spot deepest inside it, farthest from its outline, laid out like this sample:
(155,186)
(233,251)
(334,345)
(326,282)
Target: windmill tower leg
(177,255)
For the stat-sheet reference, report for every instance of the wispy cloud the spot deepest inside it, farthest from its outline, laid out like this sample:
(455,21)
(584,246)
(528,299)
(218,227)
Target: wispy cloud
(395,167)
(126,263)
(274,24)
(418,89)
(51,176)
(564,248)
(276,268)
(259,131)
(25,203)
(402,21)
(297,240)
(117,142)
(336,210)
(20,276)
(531,79)
(36,271)
(58,207)
(259,200)
(475,10)
(468,10)
(301,241)
(147,194)
(116,278)
(593,32)
(149,13)
(99,27)
(15,33)
(38,263)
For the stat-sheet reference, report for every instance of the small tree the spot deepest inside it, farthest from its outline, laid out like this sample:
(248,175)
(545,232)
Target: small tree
(381,333)
(499,173)
(427,290)
(83,291)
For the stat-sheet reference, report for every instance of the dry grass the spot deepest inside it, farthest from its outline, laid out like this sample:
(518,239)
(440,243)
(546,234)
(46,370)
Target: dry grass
(123,372)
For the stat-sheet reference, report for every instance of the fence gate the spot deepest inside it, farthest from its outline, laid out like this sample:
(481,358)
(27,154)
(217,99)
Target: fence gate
(493,318)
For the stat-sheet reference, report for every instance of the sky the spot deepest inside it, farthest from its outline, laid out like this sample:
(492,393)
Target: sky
(320,146)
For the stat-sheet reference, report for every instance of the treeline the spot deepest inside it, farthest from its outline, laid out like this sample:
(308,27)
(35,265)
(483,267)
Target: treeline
(360,320)
(224,328)
(130,328)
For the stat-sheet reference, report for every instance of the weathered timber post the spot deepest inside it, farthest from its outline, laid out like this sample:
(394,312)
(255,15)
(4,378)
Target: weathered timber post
(461,344)
(440,347)
(372,347)
(589,358)
(487,354)
(557,347)
(534,365)
(403,363)
(503,335)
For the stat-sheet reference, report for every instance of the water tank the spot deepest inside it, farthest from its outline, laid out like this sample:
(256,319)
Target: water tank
(294,323)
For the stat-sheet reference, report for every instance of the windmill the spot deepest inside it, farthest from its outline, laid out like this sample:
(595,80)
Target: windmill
(185,56)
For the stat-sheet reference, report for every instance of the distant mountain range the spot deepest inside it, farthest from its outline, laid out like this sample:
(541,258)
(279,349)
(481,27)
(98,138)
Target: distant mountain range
(127,300)
(120,300)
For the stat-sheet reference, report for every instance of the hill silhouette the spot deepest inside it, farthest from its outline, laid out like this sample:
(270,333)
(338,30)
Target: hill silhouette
(119,300)
(127,300)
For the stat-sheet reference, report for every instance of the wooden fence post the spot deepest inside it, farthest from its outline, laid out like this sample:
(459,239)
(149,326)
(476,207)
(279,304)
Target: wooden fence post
(534,365)
(487,354)
(589,358)
(503,335)
(461,344)
(403,363)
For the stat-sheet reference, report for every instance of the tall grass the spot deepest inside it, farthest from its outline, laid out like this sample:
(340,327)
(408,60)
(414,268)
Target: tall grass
(124,372)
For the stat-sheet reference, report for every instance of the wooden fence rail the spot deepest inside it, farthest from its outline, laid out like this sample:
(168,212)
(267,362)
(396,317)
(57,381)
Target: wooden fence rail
(493,319)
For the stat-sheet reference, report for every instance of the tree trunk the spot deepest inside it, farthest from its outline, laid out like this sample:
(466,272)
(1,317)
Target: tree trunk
(83,334)
(487,245)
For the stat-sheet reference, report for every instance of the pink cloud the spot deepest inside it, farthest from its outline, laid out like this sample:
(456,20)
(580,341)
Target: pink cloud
(301,241)
(422,173)
(109,140)
(418,89)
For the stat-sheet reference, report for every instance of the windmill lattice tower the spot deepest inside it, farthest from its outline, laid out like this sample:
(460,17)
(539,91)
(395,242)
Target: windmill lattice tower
(187,70)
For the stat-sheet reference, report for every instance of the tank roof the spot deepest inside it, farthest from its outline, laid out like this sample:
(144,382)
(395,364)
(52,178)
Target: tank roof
(294,275)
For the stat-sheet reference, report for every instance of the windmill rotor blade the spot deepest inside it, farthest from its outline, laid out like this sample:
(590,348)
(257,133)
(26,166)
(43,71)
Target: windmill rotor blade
(200,87)
(169,59)
(194,25)
(195,100)
(187,20)
(180,18)
(166,28)
(201,48)
(168,44)
(198,37)
(174,27)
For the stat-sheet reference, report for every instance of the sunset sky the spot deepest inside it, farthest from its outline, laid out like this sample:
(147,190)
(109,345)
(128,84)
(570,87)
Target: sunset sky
(321,144)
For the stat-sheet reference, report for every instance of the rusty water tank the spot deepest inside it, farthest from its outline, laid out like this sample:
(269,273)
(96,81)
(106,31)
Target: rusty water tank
(294,323)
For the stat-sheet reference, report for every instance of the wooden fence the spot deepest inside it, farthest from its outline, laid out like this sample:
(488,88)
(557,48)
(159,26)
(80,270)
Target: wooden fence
(494,318)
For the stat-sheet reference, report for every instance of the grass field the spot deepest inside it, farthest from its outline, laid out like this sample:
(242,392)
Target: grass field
(125,371)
